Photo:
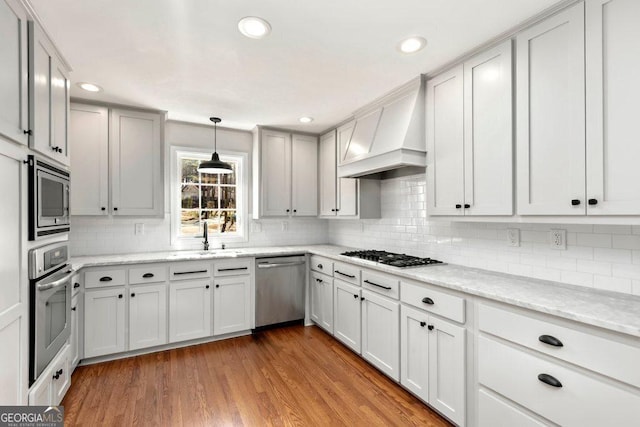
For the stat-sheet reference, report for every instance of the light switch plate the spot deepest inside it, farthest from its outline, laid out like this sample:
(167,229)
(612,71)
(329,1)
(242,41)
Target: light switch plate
(513,236)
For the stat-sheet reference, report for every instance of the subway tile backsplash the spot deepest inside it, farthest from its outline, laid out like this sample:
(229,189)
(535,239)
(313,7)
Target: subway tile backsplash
(598,256)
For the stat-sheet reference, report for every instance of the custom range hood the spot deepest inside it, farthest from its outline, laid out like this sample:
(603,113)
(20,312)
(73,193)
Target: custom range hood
(388,135)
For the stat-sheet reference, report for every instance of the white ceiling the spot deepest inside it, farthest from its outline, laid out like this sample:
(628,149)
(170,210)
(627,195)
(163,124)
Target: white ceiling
(323,59)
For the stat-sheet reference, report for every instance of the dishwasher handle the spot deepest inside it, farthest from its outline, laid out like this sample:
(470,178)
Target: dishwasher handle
(279,264)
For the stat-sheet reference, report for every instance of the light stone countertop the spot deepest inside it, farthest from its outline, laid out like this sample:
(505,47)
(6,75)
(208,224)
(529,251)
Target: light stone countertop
(609,310)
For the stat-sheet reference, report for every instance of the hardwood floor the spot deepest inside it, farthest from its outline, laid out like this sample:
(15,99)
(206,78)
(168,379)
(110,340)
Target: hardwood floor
(287,376)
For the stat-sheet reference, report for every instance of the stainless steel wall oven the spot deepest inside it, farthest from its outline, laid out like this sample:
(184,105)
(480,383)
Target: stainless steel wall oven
(48,199)
(49,305)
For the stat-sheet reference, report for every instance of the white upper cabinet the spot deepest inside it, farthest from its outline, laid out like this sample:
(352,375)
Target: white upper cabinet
(613,88)
(445,143)
(488,133)
(48,98)
(304,175)
(118,152)
(136,179)
(550,116)
(15,72)
(469,137)
(89,141)
(327,165)
(286,183)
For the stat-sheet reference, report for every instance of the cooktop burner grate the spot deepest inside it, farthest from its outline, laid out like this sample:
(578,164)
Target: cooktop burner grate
(392,259)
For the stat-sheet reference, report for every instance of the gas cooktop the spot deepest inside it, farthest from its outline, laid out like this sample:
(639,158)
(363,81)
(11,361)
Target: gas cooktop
(395,260)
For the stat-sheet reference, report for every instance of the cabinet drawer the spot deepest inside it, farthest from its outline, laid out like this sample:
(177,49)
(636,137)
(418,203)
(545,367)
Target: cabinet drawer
(148,274)
(321,264)
(578,400)
(381,283)
(232,267)
(189,270)
(427,298)
(346,272)
(608,357)
(495,412)
(103,278)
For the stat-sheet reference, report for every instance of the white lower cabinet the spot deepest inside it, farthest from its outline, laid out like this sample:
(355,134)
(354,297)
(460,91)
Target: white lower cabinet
(189,310)
(232,304)
(54,381)
(495,412)
(381,333)
(75,331)
(104,321)
(433,361)
(321,304)
(147,316)
(346,311)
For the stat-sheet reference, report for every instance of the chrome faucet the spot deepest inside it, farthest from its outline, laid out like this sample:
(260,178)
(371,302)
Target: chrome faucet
(206,237)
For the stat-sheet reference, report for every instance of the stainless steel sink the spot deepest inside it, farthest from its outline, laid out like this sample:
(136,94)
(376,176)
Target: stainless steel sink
(203,254)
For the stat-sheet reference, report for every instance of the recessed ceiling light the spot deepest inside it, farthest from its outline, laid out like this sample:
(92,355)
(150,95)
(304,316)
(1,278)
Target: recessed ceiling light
(305,119)
(412,44)
(89,87)
(254,27)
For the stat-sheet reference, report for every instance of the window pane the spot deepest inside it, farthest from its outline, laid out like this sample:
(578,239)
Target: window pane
(189,169)
(212,219)
(228,198)
(230,178)
(209,197)
(190,197)
(210,178)
(189,223)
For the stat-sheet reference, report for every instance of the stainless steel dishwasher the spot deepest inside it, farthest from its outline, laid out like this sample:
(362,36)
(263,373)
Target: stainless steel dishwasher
(280,283)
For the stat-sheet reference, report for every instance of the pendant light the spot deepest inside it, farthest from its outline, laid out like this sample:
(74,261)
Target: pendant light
(215,165)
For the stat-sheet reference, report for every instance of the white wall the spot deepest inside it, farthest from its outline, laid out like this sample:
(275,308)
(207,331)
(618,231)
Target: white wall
(605,257)
(98,235)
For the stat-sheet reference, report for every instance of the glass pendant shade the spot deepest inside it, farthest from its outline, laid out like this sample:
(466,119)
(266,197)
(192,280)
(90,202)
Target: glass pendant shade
(215,165)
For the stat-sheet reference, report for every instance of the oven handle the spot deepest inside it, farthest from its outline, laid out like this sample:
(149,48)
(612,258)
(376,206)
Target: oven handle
(56,283)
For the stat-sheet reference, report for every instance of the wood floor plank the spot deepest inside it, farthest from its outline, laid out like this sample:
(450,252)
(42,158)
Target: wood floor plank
(293,376)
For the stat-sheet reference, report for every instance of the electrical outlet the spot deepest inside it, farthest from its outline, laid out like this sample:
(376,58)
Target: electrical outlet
(513,236)
(558,239)
(285,225)
(256,227)
(139,228)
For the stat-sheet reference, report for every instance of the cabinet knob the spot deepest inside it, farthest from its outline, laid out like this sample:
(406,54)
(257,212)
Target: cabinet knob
(27,132)
(430,327)
(467,206)
(133,294)
(103,208)
(295,210)
(73,308)
(423,324)
(57,374)
(337,210)
(288,210)
(361,298)
(115,209)
(320,266)
(319,280)
(333,210)
(593,201)
(575,202)
(119,295)
(217,286)
(355,296)
(458,206)
(76,285)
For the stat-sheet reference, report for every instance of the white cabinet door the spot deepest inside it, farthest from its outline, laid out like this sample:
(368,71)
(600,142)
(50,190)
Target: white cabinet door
(104,316)
(321,288)
(89,142)
(136,184)
(61,377)
(189,310)
(613,88)
(327,305)
(445,139)
(75,331)
(447,369)
(232,305)
(41,392)
(414,351)
(316,298)
(15,72)
(147,316)
(381,333)
(49,98)
(344,134)
(327,166)
(346,188)
(304,175)
(346,310)
(488,137)
(551,116)
(275,197)
(14,298)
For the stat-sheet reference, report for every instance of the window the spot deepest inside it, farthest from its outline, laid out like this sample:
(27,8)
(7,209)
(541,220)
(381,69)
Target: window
(211,199)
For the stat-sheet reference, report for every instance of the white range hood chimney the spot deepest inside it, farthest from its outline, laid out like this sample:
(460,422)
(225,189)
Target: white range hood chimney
(388,134)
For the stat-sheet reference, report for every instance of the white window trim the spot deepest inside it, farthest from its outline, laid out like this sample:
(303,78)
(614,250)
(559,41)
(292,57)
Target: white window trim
(215,240)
